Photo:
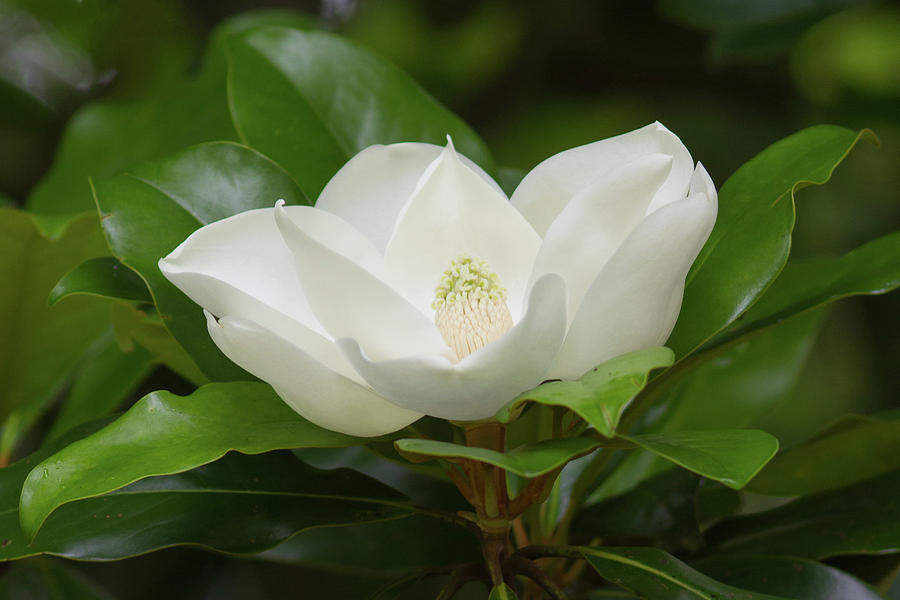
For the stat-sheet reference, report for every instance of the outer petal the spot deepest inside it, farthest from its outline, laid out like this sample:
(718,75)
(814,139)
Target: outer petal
(635,299)
(453,212)
(319,394)
(544,192)
(479,385)
(346,296)
(594,224)
(241,266)
(372,188)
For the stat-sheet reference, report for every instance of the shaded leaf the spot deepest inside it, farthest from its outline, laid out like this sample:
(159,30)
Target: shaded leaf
(48,580)
(162,434)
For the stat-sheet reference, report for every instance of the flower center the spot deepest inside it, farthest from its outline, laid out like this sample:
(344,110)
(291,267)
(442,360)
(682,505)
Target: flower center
(470,306)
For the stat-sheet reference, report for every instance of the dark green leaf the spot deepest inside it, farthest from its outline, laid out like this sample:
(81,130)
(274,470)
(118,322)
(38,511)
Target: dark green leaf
(752,236)
(105,277)
(162,434)
(731,456)
(530,460)
(789,577)
(152,209)
(861,519)
(43,579)
(722,14)
(601,396)
(873,268)
(655,574)
(41,345)
(101,383)
(311,100)
(238,504)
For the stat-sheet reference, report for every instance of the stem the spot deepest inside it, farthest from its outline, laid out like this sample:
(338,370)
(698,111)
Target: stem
(533,571)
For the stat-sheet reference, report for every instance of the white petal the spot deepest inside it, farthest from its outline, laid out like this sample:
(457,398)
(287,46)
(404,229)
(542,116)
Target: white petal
(340,280)
(454,212)
(317,393)
(479,385)
(635,299)
(241,266)
(594,224)
(545,191)
(372,188)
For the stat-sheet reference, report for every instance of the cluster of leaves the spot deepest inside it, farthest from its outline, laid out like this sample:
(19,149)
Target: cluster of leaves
(274,112)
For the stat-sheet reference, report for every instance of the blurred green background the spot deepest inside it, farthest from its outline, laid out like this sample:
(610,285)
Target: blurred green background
(533,78)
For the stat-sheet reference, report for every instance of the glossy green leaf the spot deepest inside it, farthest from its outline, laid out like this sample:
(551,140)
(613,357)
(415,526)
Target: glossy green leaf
(104,379)
(239,504)
(853,449)
(502,592)
(150,210)
(103,138)
(752,237)
(652,573)
(601,396)
(529,460)
(41,344)
(731,456)
(43,579)
(861,519)
(105,277)
(788,577)
(162,434)
(311,100)
(873,268)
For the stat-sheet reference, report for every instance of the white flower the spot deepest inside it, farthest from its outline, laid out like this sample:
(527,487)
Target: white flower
(415,287)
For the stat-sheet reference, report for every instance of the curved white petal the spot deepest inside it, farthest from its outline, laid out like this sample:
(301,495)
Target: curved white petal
(547,188)
(317,393)
(594,224)
(371,189)
(241,266)
(479,385)
(635,300)
(454,212)
(346,293)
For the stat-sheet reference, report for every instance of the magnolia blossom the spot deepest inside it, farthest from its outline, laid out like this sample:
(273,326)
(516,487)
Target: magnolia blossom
(416,287)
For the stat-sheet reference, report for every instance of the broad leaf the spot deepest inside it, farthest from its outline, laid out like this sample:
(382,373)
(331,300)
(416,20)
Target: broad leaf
(751,240)
(41,345)
(311,100)
(601,396)
(529,460)
(48,580)
(652,573)
(853,449)
(861,519)
(239,504)
(162,434)
(731,456)
(873,268)
(789,577)
(152,209)
(105,277)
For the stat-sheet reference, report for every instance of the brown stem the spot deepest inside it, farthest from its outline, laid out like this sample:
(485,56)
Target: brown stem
(530,569)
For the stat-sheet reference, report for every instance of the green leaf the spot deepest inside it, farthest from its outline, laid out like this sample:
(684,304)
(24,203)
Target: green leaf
(311,100)
(239,504)
(851,450)
(162,434)
(149,211)
(652,573)
(104,379)
(873,268)
(731,456)
(502,592)
(601,396)
(529,460)
(105,277)
(861,519)
(752,237)
(43,579)
(789,577)
(724,15)
(41,345)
